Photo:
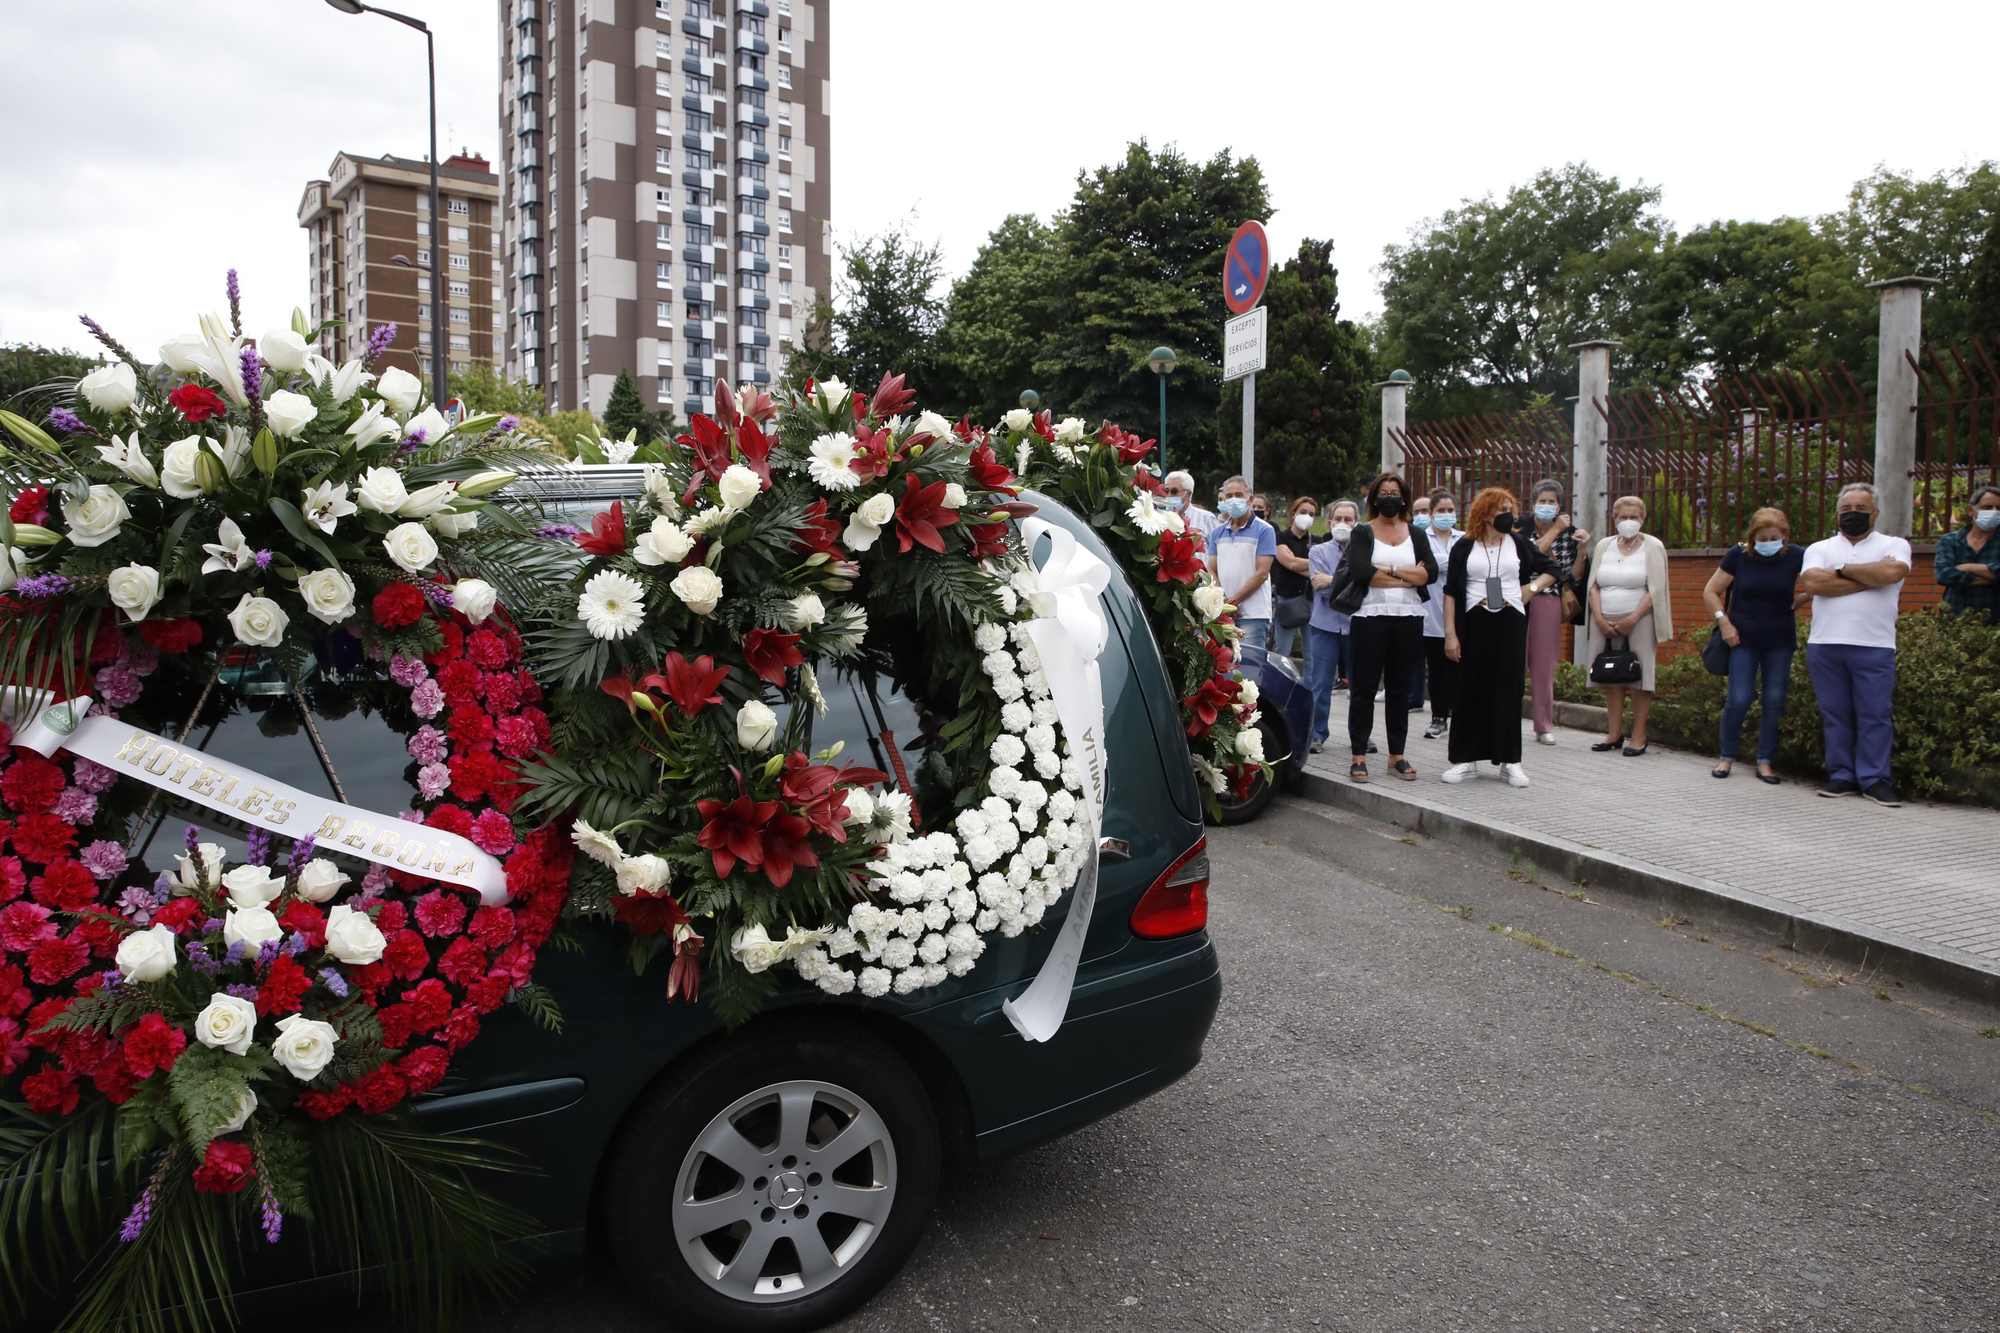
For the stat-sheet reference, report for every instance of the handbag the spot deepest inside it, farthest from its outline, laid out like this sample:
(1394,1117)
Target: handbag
(1292,612)
(1715,654)
(1572,603)
(1617,664)
(1349,592)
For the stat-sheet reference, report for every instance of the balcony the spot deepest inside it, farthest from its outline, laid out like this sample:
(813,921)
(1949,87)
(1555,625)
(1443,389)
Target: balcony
(528,266)
(526,13)
(530,303)
(528,159)
(530,229)
(528,122)
(530,86)
(527,49)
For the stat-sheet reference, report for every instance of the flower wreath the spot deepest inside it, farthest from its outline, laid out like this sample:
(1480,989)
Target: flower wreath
(242,1033)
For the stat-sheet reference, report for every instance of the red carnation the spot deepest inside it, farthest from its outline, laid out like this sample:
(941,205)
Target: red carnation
(439,912)
(170,636)
(226,1168)
(383,1090)
(284,986)
(474,773)
(464,962)
(12,878)
(503,693)
(463,1025)
(734,831)
(115,1079)
(178,914)
(405,955)
(397,605)
(607,532)
(24,925)
(423,1068)
(470,728)
(493,833)
(452,819)
(768,652)
(65,886)
(154,1044)
(395,1021)
(196,403)
(50,1091)
(304,919)
(30,506)
(15,997)
(1180,559)
(52,960)
(988,471)
(515,737)
(487,649)
(493,927)
(31,783)
(325,1105)
(391,917)
(920,515)
(429,1003)
(454,644)
(459,680)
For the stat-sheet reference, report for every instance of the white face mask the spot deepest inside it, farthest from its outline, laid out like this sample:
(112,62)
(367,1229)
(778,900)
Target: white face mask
(1628,528)
(1342,531)
(1302,522)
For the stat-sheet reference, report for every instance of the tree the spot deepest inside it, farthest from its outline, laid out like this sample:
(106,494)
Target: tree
(1897,224)
(1482,304)
(25,366)
(625,411)
(887,311)
(1144,241)
(1312,395)
(483,389)
(1000,314)
(1983,287)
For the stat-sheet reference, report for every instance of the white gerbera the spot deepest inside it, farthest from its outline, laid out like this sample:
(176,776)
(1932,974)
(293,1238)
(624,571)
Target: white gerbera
(612,605)
(596,844)
(828,465)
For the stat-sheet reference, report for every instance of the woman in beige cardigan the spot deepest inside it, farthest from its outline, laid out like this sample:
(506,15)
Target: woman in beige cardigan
(1629,600)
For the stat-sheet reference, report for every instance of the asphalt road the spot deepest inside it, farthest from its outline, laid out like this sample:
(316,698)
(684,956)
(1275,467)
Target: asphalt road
(1441,1096)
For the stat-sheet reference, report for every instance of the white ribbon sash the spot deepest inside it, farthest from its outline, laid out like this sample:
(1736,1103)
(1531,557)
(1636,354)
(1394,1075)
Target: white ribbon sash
(247,794)
(1068,640)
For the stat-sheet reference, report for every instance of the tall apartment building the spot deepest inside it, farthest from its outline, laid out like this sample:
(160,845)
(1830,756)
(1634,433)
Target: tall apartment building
(665,180)
(370,231)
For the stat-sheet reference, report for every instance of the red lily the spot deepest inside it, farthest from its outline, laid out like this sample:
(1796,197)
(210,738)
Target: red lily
(684,977)
(1045,425)
(1143,479)
(710,444)
(725,404)
(890,397)
(872,454)
(988,539)
(607,532)
(1180,560)
(921,514)
(1221,654)
(690,684)
(768,652)
(817,532)
(733,831)
(968,431)
(988,471)
(1129,447)
(755,447)
(1016,509)
(812,789)
(1207,703)
(787,844)
(648,913)
(196,403)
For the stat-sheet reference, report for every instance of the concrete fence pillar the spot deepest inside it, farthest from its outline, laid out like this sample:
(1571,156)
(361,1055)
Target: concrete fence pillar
(1902,334)
(1395,409)
(1590,471)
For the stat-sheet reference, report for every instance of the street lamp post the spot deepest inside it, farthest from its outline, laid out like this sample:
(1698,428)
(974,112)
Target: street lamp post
(1163,362)
(1030,399)
(440,380)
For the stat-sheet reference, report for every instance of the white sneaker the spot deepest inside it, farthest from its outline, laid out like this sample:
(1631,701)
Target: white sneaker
(1545,738)
(1516,775)
(1458,773)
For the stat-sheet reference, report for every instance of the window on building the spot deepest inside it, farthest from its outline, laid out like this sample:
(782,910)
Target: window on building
(698,85)
(698,122)
(751,207)
(754,99)
(662,197)
(663,234)
(663,274)
(750,281)
(699,233)
(700,311)
(701,9)
(663,312)
(457,288)
(784,112)
(784,254)
(784,143)
(423,226)
(461,261)
(663,83)
(663,122)
(700,198)
(459,235)
(700,47)
(784,76)
(423,283)
(750,60)
(663,159)
(750,23)
(750,317)
(752,356)
(663,45)
(784,219)
(698,159)
(423,257)
(750,243)
(784,289)
(460,315)
(700,272)
(663,9)
(751,171)
(462,207)
(752,134)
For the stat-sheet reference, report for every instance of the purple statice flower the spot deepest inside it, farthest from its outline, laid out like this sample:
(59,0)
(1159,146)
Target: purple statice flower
(257,847)
(69,422)
(242,991)
(334,982)
(253,373)
(103,859)
(142,1211)
(302,850)
(235,305)
(427,746)
(111,978)
(263,559)
(414,439)
(42,585)
(93,776)
(507,423)
(296,944)
(557,532)
(408,671)
(427,700)
(202,960)
(234,955)
(378,343)
(267,953)
(135,904)
(437,594)
(119,685)
(212,925)
(273,1219)
(76,807)
(191,839)
(432,779)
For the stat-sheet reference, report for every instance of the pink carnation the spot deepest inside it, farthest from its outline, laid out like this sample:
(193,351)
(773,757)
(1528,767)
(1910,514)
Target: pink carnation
(104,859)
(427,746)
(440,913)
(376,880)
(119,685)
(515,736)
(493,833)
(75,806)
(432,779)
(427,700)
(24,925)
(407,671)
(143,657)
(93,777)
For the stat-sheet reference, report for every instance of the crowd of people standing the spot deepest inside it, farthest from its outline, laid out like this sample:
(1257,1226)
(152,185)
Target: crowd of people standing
(1393,601)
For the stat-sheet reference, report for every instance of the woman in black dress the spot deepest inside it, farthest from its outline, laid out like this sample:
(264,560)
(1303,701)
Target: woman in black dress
(1490,578)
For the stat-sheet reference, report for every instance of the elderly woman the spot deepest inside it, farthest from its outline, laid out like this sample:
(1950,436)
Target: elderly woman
(1326,632)
(1754,598)
(1968,560)
(1493,574)
(1568,546)
(1441,532)
(1629,602)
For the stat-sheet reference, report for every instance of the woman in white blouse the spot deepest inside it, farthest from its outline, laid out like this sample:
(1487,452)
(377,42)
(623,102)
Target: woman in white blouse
(1492,572)
(1629,601)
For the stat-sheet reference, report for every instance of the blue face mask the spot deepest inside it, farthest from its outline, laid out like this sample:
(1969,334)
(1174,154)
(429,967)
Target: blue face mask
(1171,503)
(1770,548)
(1444,522)
(1987,519)
(1421,522)
(1236,506)
(1546,513)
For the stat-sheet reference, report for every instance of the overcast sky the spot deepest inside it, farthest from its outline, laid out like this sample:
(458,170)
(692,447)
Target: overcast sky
(149,146)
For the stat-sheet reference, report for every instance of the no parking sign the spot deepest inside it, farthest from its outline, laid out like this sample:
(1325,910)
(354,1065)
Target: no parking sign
(1245,266)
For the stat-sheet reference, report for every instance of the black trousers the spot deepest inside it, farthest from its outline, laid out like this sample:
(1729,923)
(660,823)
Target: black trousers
(1444,678)
(1492,665)
(1385,651)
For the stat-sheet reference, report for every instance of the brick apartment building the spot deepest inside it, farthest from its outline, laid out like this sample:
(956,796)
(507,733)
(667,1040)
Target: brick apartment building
(665,192)
(370,231)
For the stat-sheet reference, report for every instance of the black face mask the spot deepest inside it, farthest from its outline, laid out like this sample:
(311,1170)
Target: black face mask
(1855,523)
(1503,521)
(1388,506)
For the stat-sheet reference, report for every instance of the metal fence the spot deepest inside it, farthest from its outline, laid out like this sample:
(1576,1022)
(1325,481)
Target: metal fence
(1958,433)
(1509,449)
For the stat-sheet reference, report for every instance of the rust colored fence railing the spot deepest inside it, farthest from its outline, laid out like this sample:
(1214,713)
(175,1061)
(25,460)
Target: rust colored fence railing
(1466,455)
(1958,434)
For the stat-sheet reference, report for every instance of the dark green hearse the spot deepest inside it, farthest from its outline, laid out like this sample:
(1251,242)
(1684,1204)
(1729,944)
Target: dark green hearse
(774,1177)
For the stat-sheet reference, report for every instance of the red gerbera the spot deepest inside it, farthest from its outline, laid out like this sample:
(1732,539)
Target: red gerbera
(30,506)
(397,605)
(1180,559)
(921,514)
(768,652)
(154,1044)
(607,532)
(733,831)
(196,403)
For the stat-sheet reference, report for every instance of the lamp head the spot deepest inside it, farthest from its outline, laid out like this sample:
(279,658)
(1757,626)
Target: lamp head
(1030,399)
(1163,360)
(349,6)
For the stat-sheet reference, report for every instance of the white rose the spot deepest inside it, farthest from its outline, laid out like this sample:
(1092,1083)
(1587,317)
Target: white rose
(1247,695)
(320,879)
(246,1106)
(756,726)
(97,519)
(192,874)
(663,544)
(643,874)
(352,937)
(147,955)
(251,886)
(328,594)
(739,486)
(110,389)
(304,1046)
(410,546)
(428,500)
(832,393)
(181,353)
(454,525)
(227,1024)
(475,597)
(134,589)
(382,490)
(1018,419)
(699,587)
(399,388)
(806,611)
(864,526)
(288,413)
(1250,743)
(283,350)
(933,424)
(860,806)
(431,422)
(258,621)
(251,926)
(1209,600)
(877,509)
(954,495)
(178,477)
(753,947)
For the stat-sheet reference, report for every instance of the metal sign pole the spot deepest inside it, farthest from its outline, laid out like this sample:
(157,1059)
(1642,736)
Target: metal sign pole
(1250,431)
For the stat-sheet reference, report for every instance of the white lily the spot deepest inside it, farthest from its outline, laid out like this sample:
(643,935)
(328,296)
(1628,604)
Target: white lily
(326,504)
(129,458)
(347,380)
(231,553)
(373,425)
(220,357)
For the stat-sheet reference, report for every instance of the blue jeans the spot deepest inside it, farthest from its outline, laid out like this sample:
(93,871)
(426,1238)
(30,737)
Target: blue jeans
(1256,633)
(1744,666)
(1281,643)
(1326,655)
(1856,688)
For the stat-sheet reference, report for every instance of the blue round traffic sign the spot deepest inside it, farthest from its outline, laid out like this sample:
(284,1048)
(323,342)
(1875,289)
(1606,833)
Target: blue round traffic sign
(1245,266)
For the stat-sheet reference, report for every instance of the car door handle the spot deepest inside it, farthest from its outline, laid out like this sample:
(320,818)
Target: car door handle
(1113,849)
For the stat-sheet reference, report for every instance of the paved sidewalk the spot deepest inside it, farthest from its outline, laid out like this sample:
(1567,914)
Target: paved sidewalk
(1870,881)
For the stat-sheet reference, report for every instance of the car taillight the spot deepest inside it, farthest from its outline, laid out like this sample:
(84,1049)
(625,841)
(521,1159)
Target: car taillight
(1177,904)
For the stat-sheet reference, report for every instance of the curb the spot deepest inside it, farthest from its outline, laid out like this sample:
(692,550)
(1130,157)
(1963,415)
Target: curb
(1798,930)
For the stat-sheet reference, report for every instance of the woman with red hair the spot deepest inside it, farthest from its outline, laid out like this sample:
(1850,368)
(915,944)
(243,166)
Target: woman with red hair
(1488,581)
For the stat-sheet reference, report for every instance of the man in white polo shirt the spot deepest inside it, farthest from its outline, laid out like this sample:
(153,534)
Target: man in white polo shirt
(1856,579)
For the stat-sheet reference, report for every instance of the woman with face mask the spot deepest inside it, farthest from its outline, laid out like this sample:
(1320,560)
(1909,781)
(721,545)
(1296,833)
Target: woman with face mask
(1628,601)
(1441,531)
(1567,545)
(1291,581)
(1383,583)
(1326,633)
(1968,560)
(1493,575)
(1753,598)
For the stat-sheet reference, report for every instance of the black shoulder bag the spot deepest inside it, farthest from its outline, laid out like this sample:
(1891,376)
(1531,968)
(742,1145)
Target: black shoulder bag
(1348,591)
(1617,664)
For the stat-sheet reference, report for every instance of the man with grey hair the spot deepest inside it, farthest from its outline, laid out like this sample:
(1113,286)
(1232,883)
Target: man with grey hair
(1241,550)
(1856,580)
(1179,486)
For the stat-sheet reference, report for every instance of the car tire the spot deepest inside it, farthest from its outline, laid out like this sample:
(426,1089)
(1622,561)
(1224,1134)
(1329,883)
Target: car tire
(780,1104)
(1277,748)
